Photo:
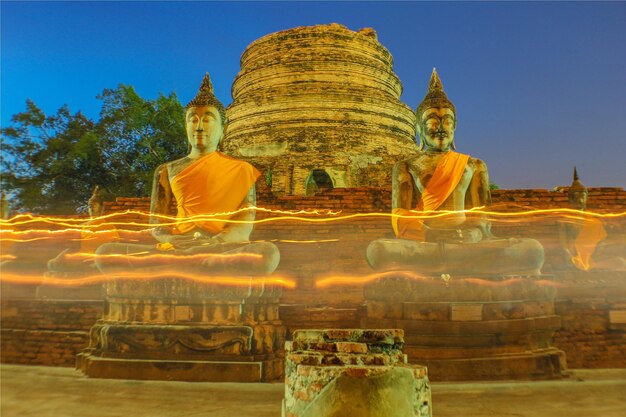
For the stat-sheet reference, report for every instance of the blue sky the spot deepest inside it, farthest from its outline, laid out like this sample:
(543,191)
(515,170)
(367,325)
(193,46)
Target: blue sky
(538,87)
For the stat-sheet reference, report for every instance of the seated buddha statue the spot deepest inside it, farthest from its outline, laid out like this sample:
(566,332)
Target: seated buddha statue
(438,179)
(585,242)
(214,196)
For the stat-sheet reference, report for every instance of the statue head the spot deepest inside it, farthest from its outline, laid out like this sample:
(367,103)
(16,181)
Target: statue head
(205,119)
(436,118)
(577,194)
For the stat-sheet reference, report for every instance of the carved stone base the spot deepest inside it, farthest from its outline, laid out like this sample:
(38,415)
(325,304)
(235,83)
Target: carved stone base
(172,329)
(183,352)
(172,370)
(471,329)
(540,364)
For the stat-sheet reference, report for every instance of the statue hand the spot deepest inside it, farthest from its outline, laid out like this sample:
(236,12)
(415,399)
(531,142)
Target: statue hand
(181,241)
(481,224)
(184,241)
(485,228)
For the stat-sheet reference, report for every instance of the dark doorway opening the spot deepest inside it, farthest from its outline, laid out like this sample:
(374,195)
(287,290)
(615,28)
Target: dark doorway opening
(318,180)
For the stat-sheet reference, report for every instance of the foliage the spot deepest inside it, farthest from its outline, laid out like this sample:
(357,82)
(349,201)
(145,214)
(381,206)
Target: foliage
(50,164)
(493,186)
(138,135)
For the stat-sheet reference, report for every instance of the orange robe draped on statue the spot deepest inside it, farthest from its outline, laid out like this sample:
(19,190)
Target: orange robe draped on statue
(215,183)
(591,233)
(446,177)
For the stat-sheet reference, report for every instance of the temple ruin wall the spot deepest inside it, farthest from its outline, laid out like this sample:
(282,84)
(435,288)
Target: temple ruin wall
(592,306)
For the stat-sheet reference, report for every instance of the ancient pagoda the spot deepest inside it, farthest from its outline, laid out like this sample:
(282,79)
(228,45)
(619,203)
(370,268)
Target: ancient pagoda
(319,107)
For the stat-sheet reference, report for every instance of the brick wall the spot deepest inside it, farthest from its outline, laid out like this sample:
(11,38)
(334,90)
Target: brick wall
(46,332)
(378,199)
(592,306)
(42,347)
(600,199)
(50,332)
(587,336)
(342,244)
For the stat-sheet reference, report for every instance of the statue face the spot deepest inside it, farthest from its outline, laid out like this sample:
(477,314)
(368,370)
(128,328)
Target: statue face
(437,128)
(204,128)
(577,199)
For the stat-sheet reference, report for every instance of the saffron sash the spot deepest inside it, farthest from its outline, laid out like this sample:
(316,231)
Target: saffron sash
(445,179)
(215,183)
(591,233)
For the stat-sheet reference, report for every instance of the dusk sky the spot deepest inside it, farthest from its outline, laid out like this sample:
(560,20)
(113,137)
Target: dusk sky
(538,87)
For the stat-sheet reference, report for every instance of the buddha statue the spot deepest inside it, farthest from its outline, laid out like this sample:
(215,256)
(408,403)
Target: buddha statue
(4,206)
(86,241)
(438,179)
(585,242)
(95,206)
(205,182)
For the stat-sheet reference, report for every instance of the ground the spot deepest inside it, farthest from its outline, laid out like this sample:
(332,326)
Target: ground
(63,392)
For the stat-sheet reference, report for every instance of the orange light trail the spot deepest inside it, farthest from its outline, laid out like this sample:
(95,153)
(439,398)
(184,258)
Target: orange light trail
(84,222)
(36,235)
(511,281)
(73,230)
(130,262)
(158,257)
(346,280)
(297,241)
(135,276)
(291,216)
(35,239)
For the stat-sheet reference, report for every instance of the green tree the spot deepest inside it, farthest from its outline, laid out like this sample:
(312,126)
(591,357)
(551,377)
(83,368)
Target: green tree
(138,135)
(50,164)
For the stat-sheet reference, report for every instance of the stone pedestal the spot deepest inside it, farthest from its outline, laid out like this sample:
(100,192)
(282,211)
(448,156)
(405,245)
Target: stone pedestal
(351,372)
(175,329)
(470,328)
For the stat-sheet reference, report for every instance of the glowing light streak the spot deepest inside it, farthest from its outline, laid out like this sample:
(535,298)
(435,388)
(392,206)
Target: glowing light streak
(345,280)
(120,227)
(86,223)
(510,281)
(414,214)
(35,239)
(136,276)
(148,257)
(7,257)
(40,231)
(298,241)
(70,231)
(33,235)
(446,279)
(548,283)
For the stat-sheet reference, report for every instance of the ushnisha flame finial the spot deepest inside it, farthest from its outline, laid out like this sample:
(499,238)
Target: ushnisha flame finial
(206,97)
(435,96)
(435,82)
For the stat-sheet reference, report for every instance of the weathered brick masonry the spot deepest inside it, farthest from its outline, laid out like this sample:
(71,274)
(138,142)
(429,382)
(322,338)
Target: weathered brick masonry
(593,319)
(319,101)
(49,332)
(46,332)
